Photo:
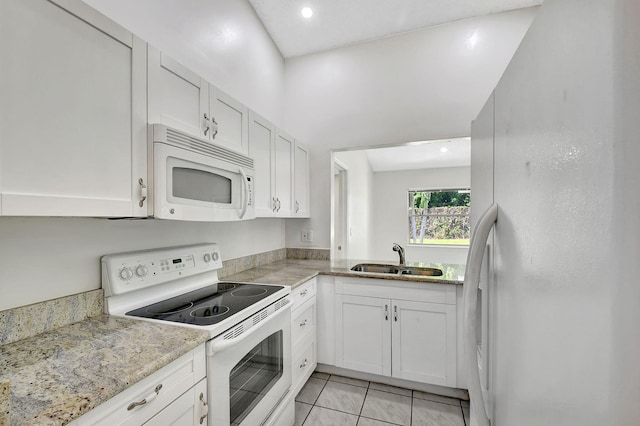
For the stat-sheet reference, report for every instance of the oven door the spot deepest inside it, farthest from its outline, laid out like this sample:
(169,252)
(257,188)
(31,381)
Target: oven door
(191,186)
(250,375)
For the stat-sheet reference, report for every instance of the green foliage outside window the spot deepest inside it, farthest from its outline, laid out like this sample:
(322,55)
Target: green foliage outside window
(439,217)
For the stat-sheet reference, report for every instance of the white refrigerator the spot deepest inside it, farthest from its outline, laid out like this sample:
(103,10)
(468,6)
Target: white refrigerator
(553,335)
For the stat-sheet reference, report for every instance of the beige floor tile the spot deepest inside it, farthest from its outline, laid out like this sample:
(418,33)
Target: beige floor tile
(430,413)
(342,397)
(392,389)
(302,411)
(325,417)
(310,391)
(387,407)
(363,421)
(349,381)
(319,375)
(436,398)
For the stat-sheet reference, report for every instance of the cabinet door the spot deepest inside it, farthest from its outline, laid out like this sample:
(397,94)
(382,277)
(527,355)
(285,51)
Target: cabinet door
(301,181)
(232,118)
(424,342)
(262,136)
(178,97)
(363,334)
(189,409)
(283,157)
(72,112)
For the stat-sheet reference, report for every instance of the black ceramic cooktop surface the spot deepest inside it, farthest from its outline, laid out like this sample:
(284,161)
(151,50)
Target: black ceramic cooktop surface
(208,305)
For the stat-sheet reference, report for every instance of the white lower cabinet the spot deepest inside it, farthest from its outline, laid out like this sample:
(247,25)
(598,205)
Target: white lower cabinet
(303,335)
(174,395)
(403,330)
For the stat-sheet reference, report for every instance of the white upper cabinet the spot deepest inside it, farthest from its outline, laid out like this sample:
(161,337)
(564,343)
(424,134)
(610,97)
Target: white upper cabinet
(262,137)
(283,157)
(232,120)
(72,112)
(182,99)
(301,181)
(178,97)
(274,153)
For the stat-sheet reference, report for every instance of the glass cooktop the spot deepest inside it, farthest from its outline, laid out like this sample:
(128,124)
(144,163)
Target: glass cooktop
(208,305)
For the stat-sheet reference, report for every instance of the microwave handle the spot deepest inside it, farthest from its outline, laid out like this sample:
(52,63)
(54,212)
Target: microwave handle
(245,193)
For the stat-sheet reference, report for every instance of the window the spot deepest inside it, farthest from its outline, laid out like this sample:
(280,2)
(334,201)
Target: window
(439,217)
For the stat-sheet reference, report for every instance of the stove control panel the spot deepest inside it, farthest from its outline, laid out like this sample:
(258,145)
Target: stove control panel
(125,272)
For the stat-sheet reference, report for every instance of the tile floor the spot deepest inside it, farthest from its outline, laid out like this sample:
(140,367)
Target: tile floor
(335,400)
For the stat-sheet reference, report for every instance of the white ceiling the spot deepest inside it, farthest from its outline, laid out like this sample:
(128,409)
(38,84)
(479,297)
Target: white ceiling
(341,22)
(421,155)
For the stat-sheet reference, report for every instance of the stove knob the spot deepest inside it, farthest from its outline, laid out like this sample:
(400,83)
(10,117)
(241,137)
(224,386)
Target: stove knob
(141,270)
(215,255)
(207,258)
(126,273)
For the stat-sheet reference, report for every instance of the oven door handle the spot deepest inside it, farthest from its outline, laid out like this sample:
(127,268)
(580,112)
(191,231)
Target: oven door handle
(245,193)
(219,344)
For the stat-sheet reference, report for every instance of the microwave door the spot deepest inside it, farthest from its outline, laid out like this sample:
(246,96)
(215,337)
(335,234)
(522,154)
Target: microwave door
(191,186)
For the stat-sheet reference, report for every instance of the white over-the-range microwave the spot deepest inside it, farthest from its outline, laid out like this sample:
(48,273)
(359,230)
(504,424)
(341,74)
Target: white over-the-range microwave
(195,180)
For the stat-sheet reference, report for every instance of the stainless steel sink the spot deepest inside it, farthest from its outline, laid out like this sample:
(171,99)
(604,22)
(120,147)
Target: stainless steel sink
(415,270)
(376,268)
(380,268)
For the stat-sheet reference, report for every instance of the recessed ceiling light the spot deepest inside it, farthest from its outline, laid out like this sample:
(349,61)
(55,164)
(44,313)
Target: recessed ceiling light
(472,40)
(307,12)
(444,149)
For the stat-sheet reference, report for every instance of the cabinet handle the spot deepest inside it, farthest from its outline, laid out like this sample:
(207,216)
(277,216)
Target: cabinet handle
(143,191)
(304,364)
(297,207)
(149,398)
(274,204)
(206,124)
(386,312)
(214,123)
(395,313)
(205,407)
(304,293)
(303,323)
(278,208)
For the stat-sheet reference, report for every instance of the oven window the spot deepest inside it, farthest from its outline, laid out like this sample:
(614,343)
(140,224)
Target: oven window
(254,376)
(193,184)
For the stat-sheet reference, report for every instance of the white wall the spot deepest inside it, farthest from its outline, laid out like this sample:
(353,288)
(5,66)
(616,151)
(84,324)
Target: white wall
(360,203)
(427,84)
(222,40)
(390,221)
(44,258)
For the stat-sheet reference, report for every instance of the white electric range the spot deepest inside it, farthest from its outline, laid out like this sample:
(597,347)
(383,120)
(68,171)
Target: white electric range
(249,351)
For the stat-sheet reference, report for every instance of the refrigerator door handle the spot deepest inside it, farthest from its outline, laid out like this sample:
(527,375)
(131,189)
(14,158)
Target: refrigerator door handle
(470,296)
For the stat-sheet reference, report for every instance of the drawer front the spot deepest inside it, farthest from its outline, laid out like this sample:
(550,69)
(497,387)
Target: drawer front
(304,365)
(303,321)
(303,293)
(175,379)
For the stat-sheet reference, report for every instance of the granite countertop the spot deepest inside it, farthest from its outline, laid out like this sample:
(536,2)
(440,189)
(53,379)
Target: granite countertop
(294,272)
(59,375)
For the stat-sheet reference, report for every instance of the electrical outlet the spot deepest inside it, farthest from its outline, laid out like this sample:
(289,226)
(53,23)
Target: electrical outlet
(307,236)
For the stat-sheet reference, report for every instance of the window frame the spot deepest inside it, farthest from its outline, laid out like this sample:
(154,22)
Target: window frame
(409,215)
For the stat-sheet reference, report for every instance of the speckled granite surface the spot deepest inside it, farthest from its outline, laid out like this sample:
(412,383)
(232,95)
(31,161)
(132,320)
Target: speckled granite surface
(233,266)
(294,272)
(4,402)
(31,320)
(307,253)
(59,375)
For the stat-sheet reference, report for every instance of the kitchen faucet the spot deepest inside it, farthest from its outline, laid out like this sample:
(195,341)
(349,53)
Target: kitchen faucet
(397,247)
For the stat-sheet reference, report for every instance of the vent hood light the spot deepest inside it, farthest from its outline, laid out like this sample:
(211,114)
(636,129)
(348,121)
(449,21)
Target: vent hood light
(307,12)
